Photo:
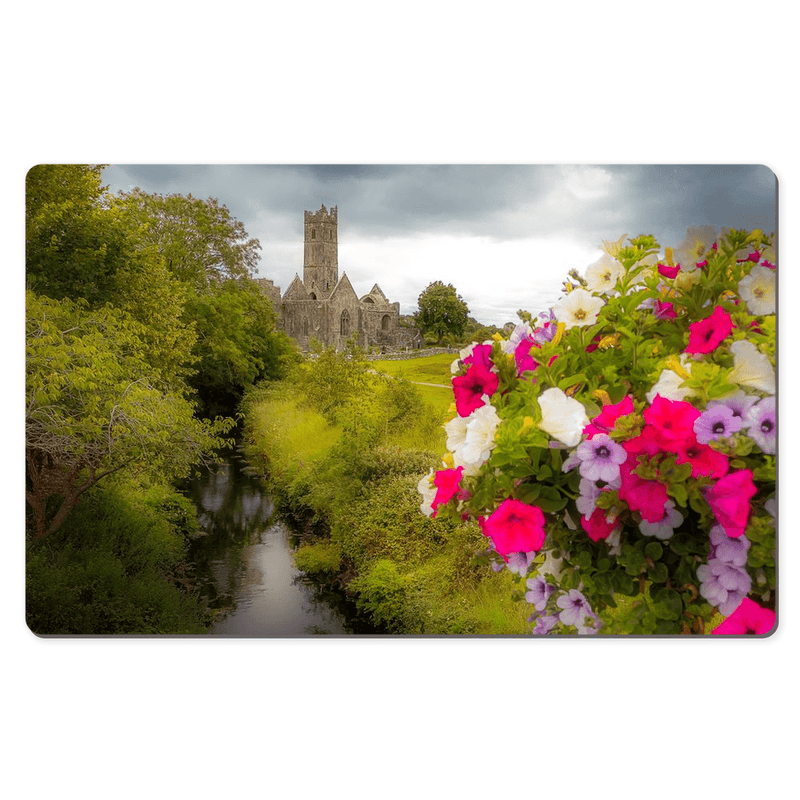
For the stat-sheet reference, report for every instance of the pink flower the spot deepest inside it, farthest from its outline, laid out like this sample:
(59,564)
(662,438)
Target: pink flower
(515,527)
(446,481)
(596,526)
(480,355)
(673,419)
(646,497)
(708,333)
(704,459)
(470,388)
(668,272)
(664,310)
(522,355)
(606,419)
(749,617)
(729,499)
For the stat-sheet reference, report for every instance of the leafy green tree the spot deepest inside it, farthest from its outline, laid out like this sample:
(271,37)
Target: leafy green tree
(199,240)
(75,243)
(92,408)
(441,311)
(237,342)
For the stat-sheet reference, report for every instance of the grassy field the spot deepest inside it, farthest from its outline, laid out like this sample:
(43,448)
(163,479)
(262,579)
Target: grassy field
(421,371)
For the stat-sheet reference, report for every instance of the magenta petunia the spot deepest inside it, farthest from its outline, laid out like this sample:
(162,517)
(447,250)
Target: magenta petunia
(664,310)
(447,482)
(647,497)
(480,355)
(606,419)
(667,271)
(523,358)
(672,419)
(515,527)
(707,334)
(596,526)
(749,617)
(470,388)
(729,499)
(705,460)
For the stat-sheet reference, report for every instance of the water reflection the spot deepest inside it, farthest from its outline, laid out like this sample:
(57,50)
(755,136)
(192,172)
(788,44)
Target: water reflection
(244,564)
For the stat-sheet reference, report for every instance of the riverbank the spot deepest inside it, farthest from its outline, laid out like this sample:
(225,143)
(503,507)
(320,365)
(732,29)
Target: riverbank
(347,473)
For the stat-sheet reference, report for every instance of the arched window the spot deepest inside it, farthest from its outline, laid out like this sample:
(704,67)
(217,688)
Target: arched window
(313,296)
(385,322)
(344,324)
(305,326)
(313,234)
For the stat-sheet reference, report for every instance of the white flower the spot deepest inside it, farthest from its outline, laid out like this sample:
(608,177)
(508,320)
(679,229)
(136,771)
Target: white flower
(751,368)
(564,418)
(669,384)
(478,441)
(603,274)
(757,289)
(578,308)
(456,431)
(551,566)
(613,248)
(428,493)
(695,246)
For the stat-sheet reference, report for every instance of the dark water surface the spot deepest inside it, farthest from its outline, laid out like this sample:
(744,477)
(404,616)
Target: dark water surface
(244,564)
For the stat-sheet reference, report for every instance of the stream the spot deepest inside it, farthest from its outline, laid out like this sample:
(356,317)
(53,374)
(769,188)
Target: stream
(244,566)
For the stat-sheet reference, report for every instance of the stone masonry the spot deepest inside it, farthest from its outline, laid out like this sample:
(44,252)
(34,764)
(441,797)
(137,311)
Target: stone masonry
(326,307)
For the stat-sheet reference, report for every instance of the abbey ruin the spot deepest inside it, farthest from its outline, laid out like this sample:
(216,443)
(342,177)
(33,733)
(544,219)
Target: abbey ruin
(325,307)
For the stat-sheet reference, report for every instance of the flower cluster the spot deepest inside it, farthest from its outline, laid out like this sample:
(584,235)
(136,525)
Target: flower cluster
(621,446)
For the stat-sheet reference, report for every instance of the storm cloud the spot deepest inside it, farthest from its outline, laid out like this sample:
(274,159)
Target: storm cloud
(503,235)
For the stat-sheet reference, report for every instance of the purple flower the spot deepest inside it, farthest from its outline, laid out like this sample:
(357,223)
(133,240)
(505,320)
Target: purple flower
(729,550)
(665,527)
(715,423)
(545,624)
(600,458)
(519,563)
(540,591)
(723,585)
(739,403)
(760,422)
(575,607)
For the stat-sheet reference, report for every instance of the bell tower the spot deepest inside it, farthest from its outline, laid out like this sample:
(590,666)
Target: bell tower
(321,252)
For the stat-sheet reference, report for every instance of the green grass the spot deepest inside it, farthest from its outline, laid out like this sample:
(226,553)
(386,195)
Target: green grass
(430,369)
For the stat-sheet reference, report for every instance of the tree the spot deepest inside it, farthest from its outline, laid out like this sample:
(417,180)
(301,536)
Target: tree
(74,242)
(200,242)
(441,311)
(92,408)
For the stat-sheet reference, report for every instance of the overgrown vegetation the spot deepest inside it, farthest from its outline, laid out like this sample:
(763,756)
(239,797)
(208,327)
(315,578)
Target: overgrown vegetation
(344,450)
(144,325)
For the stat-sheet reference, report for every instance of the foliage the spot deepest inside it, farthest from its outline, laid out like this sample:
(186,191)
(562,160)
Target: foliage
(320,557)
(74,245)
(199,241)
(441,311)
(631,429)
(115,566)
(237,343)
(93,409)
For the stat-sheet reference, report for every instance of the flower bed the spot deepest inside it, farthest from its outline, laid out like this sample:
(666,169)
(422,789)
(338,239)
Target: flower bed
(623,443)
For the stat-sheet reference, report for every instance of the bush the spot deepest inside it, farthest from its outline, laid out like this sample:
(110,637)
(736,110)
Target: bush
(322,557)
(111,568)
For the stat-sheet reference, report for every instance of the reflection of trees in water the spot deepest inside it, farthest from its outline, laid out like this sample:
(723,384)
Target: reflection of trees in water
(233,511)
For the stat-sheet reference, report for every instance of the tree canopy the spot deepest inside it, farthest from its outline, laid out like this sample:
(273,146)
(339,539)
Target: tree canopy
(441,311)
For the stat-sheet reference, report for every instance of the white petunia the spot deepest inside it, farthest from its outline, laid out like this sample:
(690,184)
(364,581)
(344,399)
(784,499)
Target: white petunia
(478,441)
(695,247)
(578,308)
(669,387)
(456,431)
(564,418)
(428,492)
(602,276)
(757,289)
(751,368)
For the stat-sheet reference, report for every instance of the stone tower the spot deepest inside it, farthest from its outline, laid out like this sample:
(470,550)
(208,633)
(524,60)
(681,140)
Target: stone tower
(321,256)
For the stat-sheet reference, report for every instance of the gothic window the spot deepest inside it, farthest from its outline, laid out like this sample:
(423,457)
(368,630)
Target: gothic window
(305,326)
(344,324)
(313,234)
(385,322)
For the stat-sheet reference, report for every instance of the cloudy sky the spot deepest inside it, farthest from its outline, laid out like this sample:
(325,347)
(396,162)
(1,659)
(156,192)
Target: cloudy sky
(504,236)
